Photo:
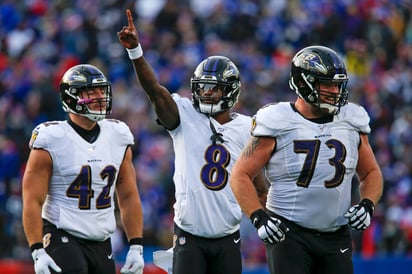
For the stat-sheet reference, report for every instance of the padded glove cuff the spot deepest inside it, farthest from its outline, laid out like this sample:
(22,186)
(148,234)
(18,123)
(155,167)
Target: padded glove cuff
(258,217)
(368,204)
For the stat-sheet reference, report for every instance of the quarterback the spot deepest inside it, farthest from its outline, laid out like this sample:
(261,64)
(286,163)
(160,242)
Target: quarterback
(207,139)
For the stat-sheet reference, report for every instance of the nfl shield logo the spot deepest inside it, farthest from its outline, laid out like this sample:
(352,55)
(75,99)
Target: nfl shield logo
(182,240)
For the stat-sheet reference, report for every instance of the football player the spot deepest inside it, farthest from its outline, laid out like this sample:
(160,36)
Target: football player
(207,139)
(75,169)
(311,150)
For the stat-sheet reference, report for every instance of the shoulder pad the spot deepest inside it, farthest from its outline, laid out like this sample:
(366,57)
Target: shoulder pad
(356,116)
(270,118)
(45,131)
(119,129)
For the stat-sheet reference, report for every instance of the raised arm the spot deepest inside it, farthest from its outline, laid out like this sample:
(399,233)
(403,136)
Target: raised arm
(161,99)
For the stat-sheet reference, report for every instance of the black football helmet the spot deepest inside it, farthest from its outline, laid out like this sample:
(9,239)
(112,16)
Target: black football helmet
(83,77)
(215,72)
(314,65)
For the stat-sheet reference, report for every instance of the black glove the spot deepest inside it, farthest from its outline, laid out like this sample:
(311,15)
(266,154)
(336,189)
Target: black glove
(360,215)
(270,229)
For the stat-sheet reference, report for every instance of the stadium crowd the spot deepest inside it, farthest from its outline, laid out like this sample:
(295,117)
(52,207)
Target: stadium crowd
(40,39)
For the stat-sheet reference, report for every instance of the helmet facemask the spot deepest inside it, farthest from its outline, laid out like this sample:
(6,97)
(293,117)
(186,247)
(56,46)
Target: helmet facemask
(218,100)
(328,101)
(85,105)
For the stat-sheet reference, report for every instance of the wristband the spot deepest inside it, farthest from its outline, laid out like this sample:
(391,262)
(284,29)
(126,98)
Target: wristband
(35,246)
(135,53)
(257,216)
(369,205)
(136,241)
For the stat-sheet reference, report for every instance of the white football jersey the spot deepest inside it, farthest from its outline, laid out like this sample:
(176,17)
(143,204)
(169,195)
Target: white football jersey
(205,205)
(80,199)
(313,165)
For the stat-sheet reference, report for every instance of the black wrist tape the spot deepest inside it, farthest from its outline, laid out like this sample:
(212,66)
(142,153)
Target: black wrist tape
(257,216)
(35,246)
(136,241)
(369,205)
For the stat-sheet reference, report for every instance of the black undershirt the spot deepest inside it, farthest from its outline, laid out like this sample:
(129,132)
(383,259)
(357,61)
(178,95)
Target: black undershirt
(89,135)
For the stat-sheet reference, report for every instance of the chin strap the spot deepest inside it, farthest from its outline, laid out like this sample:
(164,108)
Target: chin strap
(215,136)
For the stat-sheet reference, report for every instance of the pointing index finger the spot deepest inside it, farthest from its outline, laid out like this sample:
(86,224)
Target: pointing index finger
(130,19)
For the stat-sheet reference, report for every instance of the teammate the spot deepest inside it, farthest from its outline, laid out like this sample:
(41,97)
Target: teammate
(207,139)
(311,150)
(75,169)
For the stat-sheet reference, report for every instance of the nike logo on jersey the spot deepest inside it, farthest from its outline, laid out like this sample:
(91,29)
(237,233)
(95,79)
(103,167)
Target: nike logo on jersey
(343,250)
(110,256)
(236,240)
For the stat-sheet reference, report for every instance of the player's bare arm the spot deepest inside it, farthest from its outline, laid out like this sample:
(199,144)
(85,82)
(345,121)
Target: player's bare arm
(251,146)
(250,163)
(163,103)
(261,185)
(35,186)
(370,175)
(259,182)
(129,199)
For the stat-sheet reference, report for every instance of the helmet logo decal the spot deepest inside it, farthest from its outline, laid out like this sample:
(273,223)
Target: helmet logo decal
(76,77)
(228,73)
(311,61)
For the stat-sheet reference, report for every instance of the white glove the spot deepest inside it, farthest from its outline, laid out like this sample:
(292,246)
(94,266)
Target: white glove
(359,216)
(42,262)
(164,259)
(134,261)
(269,229)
